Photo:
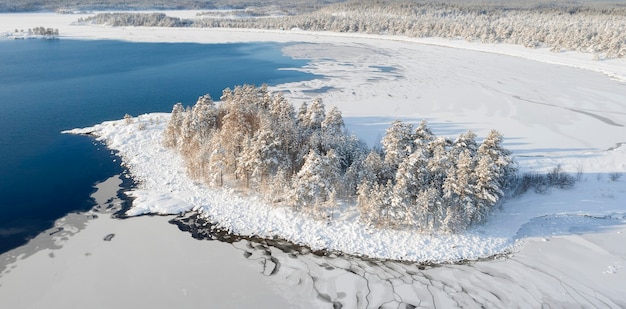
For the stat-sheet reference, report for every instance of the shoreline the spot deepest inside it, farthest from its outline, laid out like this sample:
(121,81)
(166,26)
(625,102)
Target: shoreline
(107,197)
(86,271)
(163,203)
(69,29)
(555,260)
(102,265)
(225,210)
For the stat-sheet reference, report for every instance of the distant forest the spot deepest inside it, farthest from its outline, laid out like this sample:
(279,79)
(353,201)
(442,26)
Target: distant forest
(257,142)
(87,5)
(598,28)
(294,6)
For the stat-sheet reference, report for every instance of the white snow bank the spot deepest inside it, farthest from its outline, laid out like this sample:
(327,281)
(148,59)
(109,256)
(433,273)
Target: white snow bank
(165,188)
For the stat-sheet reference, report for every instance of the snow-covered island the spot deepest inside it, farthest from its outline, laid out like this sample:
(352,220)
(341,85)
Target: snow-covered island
(316,219)
(554,109)
(32,33)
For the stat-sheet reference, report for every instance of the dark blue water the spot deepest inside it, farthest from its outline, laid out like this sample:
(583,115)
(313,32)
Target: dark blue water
(47,86)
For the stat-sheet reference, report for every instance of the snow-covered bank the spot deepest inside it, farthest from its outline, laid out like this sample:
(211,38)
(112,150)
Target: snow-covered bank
(165,188)
(146,262)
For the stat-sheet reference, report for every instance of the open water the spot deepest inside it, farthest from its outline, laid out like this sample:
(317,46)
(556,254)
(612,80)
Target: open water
(47,86)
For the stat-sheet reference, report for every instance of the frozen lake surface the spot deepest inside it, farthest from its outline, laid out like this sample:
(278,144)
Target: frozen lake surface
(562,249)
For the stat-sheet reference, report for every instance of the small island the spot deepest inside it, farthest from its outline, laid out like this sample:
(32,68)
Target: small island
(33,33)
(255,141)
(252,165)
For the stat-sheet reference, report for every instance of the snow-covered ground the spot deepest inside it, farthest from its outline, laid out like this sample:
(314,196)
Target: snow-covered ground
(165,189)
(552,108)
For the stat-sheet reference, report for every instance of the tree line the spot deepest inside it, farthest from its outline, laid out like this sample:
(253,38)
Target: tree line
(257,141)
(46,32)
(596,29)
(136,19)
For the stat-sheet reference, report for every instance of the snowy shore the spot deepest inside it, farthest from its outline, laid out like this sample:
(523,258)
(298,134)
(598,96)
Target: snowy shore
(166,189)
(556,109)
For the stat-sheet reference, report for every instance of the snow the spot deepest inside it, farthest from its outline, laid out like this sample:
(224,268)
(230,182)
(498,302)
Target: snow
(146,263)
(165,189)
(565,246)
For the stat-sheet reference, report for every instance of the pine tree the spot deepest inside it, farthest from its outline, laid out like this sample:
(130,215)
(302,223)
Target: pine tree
(439,162)
(204,118)
(466,141)
(264,154)
(459,193)
(412,177)
(284,125)
(494,171)
(238,123)
(315,115)
(429,213)
(332,130)
(172,131)
(314,184)
(423,135)
(397,144)
(500,156)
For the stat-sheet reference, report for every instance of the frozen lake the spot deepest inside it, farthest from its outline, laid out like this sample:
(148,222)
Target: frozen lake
(549,113)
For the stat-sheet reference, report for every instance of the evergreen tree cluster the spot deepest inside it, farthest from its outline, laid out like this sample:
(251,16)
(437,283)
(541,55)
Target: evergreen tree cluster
(599,29)
(257,141)
(594,27)
(425,182)
(49,32)
(136,19)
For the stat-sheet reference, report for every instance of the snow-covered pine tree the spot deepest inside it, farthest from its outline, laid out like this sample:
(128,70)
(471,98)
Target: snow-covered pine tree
(501,157)
(315,115)
(284,125)
(374,201)
(356,152)
(494,170)
(314,185)
(459,193)
(215,155)
(264,154)
(204,116)
(488,190)
(397,143)
(423,135)
(238,123)
(374,168)
(365,201)
(186,144)
(439,162)
(173,129)
(301,116)
(348,148)
(465,141)
(412,177)
(332,128)
(430,213)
